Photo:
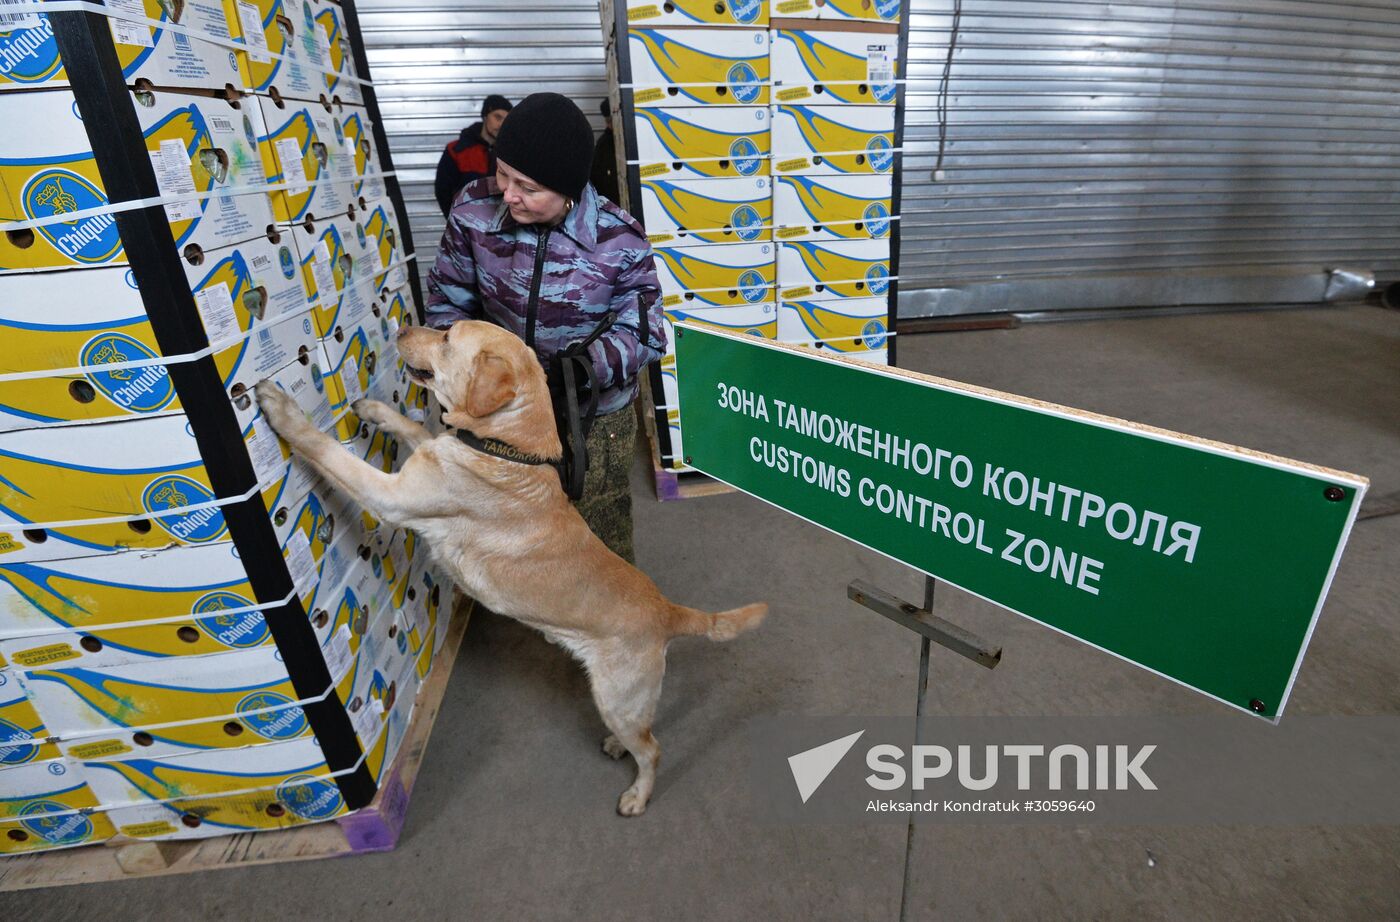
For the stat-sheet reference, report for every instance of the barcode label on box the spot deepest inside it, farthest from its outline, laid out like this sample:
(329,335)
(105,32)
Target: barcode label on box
(350,377)
(215,306)
(300,563)
(13,22)
(173,178)
(322,272)
(131,33)
(293,170)
(367,720)
(338,654)
(251,21)
(265,452)
(879,64)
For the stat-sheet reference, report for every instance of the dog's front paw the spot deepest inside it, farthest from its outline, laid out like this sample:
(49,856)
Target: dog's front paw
(632,803)
(281,410)
(373,411)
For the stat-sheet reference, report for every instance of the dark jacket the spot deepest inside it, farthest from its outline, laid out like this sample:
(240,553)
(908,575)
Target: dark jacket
(604,177)
(597,260)
(465,160)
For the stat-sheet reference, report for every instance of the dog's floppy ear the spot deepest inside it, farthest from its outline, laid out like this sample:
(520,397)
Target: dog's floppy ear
(492,384)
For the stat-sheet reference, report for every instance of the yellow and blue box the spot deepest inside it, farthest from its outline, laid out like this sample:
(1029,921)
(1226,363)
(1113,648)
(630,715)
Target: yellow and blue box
(834,68)
(820,270)
(699,67)
(30,59)
(717,275)
(23,737)
(284,48)
(359,139)
(303,150)
(337,267)
(839,10)
(832,207)
(702,141)
(760,320)
(666,13)
(683,212)
(48,805)
(341,75)
(833,140)
(200,148)
(195,795)
(851,327)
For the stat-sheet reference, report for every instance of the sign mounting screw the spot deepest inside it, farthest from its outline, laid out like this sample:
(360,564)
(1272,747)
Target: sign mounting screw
(1334,494)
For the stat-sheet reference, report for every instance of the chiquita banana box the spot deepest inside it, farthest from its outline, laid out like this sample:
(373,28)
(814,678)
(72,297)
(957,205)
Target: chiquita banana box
(834,68)
(352,360)
(832,207)
(337,267)
(23,736)
(52,320)
(855,327)
(29,55)
(96,712)
(717,275)
(206,583)
(218,793)
(383,246)
(689,211)
(397,720)
(144,483)
(833,140)
(200,149)
(849,10)
(284,47)
(652,13)
(341,75)
(317,799)
(810,270)
(359,139)
(303,152)
(47,805)
(106,386)
(702,141)
(699,67)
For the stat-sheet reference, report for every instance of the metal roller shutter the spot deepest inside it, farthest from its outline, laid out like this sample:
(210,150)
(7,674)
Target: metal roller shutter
(1154,151)
(1097,154)
(435,61)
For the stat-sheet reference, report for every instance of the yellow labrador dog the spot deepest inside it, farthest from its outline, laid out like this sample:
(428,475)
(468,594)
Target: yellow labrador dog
(503,527)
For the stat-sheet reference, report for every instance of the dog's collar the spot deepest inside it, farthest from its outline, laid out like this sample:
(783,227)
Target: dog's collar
(498,449)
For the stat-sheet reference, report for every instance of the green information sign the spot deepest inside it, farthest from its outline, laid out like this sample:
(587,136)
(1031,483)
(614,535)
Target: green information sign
(1202,562)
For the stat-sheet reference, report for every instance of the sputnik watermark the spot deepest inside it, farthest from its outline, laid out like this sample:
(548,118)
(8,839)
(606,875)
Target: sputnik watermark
(1175,770)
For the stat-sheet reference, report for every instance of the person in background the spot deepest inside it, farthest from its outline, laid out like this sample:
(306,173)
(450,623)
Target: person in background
(472,155)
(604,177)
(536,250)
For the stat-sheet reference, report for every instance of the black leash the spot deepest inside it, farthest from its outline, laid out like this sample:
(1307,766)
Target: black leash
(574,368)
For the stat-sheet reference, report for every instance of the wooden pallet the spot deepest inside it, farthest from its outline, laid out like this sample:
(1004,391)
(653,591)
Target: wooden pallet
(672,485)
(375,828)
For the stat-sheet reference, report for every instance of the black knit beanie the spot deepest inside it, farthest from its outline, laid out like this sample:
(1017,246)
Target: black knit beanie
(548,139)
(492,103)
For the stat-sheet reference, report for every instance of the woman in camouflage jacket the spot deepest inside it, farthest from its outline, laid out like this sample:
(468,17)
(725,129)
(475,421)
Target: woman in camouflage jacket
(536,250)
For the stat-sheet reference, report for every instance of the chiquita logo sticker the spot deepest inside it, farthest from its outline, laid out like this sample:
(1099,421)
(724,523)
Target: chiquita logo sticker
(277,722)
(15,744)
(310,798)
(747,223)
(877,219)
(874,333)
(29,55)
(753,286)
(881,157)
(238,629)
(174,491)
(50,193)
(64,829)
(744,83)
(287,261)
(746,156)
(877,277)
(746,11)
(144,389)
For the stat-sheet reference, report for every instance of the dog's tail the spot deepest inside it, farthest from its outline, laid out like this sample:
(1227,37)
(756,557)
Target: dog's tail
(725,625)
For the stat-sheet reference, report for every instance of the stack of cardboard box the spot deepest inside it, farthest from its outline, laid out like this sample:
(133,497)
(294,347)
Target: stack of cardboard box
(197,635)
(762,147)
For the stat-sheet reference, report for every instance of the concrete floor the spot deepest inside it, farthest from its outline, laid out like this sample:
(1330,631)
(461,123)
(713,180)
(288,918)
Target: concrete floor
(513,814)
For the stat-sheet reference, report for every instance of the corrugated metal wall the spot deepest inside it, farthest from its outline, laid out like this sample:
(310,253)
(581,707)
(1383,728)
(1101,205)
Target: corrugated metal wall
(1084,139)
(1197,136)
(434,61)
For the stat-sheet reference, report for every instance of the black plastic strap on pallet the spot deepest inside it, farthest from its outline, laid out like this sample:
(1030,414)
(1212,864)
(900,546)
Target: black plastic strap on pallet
(118,144)
(381,141)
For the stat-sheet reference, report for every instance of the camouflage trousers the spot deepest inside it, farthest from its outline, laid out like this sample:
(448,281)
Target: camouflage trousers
(607,489)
